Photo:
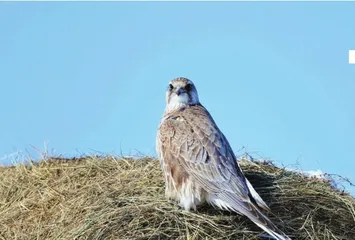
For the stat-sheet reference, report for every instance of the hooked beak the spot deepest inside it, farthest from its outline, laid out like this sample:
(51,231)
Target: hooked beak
(179,91)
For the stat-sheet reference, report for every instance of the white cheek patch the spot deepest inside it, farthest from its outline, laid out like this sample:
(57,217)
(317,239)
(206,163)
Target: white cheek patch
(181,99)
(176,101)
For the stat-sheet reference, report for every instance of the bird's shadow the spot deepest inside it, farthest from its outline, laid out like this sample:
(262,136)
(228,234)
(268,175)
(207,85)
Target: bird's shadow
(264,184)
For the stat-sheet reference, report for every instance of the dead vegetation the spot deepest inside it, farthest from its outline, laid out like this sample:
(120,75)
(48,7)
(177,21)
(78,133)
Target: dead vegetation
(109,198)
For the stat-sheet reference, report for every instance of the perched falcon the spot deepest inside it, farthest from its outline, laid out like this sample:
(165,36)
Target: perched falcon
(198,163)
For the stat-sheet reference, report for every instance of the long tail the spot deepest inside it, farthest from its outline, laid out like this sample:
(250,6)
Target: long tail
(257,197)
(229,202)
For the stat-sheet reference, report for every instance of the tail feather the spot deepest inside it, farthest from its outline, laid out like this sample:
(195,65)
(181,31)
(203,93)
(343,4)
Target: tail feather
(230,202)
(256,197)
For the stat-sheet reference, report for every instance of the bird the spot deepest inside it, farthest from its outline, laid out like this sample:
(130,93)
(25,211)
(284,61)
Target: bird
(198,162)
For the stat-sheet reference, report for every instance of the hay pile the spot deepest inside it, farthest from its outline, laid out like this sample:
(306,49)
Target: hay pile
(108,198)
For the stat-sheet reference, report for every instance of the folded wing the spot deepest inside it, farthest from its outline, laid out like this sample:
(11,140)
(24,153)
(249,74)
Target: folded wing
(193,139)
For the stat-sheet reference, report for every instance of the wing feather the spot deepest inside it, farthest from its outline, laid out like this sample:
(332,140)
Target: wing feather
(201,149)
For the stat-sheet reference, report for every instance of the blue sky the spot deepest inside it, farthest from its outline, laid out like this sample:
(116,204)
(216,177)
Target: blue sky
(89,78)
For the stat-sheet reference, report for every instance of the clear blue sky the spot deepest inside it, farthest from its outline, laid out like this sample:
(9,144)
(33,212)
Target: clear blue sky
(87,77)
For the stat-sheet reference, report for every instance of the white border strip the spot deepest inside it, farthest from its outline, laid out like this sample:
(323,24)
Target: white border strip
(351,56)
(177,1)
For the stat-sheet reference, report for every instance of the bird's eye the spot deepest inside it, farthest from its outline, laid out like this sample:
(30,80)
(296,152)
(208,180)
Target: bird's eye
(171,87)
(188,87)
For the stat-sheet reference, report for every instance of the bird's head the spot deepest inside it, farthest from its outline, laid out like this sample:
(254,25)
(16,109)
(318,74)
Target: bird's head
(181,91)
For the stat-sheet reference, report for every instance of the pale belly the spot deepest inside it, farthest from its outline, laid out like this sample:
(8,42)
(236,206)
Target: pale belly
(189,194)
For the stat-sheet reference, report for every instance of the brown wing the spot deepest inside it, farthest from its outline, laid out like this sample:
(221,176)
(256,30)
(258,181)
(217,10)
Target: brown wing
(191,138)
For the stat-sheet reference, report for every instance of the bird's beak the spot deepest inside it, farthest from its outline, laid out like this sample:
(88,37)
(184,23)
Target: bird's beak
(179,91)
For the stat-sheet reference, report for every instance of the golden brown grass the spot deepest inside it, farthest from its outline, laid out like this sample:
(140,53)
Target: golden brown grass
(109,198)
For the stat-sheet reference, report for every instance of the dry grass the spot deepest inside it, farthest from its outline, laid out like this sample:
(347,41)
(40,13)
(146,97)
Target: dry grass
(108,198)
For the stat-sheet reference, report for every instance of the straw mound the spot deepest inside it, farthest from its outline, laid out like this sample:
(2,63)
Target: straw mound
(108,198)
